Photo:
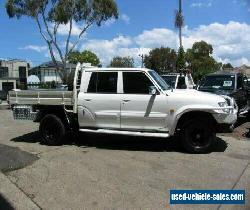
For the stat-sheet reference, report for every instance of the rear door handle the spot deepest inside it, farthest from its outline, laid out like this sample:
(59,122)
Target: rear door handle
(88,99)
(126,100)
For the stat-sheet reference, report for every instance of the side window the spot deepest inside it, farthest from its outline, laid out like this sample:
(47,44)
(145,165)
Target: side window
(239,82)
(136,83)
(181,83)
(92,88)
(103,82)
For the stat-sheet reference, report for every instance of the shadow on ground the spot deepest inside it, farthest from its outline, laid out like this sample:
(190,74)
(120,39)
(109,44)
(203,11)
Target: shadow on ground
(4,204)
(33,137)
(119,142)
(242,129)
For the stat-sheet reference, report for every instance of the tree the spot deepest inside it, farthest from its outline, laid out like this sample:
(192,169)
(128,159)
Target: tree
(49,15)
(161,60)
(84,57)
(200,60)
(181,61)
(122,62)
(179,21)
(227,66)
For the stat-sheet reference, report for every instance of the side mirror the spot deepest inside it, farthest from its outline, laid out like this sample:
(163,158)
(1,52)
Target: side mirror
(152,90)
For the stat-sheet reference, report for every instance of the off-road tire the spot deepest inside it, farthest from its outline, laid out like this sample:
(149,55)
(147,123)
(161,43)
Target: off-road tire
(198,136)
(52,130)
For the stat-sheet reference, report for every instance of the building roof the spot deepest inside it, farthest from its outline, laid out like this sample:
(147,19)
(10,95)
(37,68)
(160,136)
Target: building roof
(13,60)
(50,64)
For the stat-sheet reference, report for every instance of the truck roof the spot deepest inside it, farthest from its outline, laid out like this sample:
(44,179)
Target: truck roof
(224,73)
(116,69)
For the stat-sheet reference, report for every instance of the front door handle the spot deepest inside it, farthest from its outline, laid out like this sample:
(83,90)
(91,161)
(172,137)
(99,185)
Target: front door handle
(126,100)
(88,99)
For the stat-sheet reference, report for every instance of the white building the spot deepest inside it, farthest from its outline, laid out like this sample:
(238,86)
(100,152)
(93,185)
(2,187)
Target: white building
(47,72)
(13,74)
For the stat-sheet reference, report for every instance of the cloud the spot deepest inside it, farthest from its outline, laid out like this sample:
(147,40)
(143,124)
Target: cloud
(109,22)
(64,29)
(34,47)
(202,4)
(157,37)
(119,46)
(40,49)
(243,3)
(125,18)
(231,42)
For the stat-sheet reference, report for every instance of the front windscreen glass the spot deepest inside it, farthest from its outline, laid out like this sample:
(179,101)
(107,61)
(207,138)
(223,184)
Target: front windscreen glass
(221,82)
(159,80)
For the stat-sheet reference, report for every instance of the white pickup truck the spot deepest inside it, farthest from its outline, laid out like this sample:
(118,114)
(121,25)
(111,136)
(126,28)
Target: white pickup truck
(128,102)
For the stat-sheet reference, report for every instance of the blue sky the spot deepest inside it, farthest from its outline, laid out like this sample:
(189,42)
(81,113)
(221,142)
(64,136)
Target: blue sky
(143,25)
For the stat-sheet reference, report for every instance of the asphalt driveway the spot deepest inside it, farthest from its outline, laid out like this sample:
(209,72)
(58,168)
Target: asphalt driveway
(115,172)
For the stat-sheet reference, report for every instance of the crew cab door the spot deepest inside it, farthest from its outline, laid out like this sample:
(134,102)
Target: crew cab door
(98,102)
(139,109)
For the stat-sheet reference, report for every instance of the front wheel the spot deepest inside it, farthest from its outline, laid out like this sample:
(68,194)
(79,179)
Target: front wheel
(52,130)
(198,136)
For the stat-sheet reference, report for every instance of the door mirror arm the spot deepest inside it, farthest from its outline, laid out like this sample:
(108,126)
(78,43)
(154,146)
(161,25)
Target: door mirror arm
(153,90)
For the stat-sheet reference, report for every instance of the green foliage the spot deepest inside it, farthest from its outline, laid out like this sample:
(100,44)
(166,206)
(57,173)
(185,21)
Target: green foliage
(161,60)
(84,57)
(62,11)
(202,49)
(179,19)
(200,60)
(126,62)
(227,66)
(181,61)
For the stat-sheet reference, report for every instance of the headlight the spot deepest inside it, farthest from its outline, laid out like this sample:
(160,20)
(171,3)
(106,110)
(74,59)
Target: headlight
(224,104)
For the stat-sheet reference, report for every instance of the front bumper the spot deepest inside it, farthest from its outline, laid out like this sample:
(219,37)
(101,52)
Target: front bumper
(227,115)
(226,121)
(226,118)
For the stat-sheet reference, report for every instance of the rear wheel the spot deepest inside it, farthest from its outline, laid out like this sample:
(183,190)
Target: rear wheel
(52,130)
(198,136)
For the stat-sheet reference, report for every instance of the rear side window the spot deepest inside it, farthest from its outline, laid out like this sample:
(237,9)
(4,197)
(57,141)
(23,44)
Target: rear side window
(136,83)
(103,82)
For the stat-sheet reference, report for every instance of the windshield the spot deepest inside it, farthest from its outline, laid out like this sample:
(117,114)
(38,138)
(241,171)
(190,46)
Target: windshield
(222,82)
(159,80)
(170,80)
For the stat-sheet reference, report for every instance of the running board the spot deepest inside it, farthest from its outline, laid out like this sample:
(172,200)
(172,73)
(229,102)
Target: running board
(127,133)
